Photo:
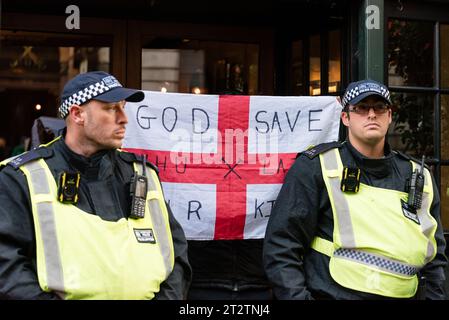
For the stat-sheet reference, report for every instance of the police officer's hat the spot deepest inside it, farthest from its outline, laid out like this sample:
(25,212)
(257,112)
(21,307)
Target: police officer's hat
(357,91)
(96,85)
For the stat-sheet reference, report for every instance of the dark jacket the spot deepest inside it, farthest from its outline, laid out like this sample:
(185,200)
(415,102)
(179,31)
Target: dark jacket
(303,211)
(104,191)
(227,264)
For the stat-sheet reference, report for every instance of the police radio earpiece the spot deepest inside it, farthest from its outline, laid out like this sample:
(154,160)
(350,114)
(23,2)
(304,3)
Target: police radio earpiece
(416,187)
(68,187)
(138,191)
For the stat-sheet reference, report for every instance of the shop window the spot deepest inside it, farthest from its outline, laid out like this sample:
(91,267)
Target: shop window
(412,129)
(34,68)
(192,66)
(410,53)
(48,67)
(297,83)
(444,55)
(160,70)
(315,66)
(334,61)
(412,75)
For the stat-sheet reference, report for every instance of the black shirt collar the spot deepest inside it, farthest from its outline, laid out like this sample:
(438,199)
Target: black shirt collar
(377,167)
(89,166)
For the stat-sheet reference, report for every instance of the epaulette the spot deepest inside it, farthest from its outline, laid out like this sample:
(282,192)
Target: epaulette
(132,157)
(410,158)
(21,159)
(313,151)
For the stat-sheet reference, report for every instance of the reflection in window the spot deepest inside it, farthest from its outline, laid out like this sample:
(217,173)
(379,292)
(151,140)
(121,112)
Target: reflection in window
(444,55)
(444,127)
(334,61)
(297,84)
(412,128)
(160,70)
(202,67)
(315,66)
(410,53)
(34,67)
(444,195)
(48,67)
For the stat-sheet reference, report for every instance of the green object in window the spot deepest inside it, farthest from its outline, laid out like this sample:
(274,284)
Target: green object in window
(18,150)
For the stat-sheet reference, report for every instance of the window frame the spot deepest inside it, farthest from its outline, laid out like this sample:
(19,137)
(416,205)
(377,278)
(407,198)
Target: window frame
(324,61)
(140,32)
(438,14)
(114,29)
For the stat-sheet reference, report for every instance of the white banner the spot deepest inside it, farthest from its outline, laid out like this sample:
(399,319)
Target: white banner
(223,159)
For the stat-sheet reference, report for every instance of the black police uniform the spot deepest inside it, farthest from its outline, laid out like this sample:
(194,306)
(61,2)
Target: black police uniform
(228,269)
(104,191)
(303,211)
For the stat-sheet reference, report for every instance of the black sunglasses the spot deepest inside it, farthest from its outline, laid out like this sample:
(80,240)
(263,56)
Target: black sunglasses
(363,108)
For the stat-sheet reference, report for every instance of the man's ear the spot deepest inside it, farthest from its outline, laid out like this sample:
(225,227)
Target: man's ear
(76,114)
(345,118)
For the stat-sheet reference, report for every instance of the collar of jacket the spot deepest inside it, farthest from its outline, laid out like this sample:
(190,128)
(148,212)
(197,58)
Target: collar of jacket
(379,168)
(98,164)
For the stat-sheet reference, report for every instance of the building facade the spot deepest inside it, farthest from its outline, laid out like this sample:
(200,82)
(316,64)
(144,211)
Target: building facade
(285,47)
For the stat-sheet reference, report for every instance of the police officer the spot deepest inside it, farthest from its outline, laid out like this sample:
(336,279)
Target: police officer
(80,219)
(342,226)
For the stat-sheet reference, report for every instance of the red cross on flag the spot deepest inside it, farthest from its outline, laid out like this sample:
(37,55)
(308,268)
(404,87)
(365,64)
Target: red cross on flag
(223,158)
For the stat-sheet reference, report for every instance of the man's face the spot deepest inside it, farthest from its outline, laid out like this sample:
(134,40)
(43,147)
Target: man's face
(104,123)
(368,121)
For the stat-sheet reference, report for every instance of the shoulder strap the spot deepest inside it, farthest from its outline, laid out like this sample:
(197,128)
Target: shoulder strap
(313,151)
(18,161)
(132,157)
(410,158)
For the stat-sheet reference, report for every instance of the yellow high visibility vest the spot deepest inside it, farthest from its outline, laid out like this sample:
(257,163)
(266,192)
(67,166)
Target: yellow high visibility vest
(81,256)
(376,248)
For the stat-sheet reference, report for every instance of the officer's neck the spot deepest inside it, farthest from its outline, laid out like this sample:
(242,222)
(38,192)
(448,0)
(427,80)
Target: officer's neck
(80,146)
(371,151)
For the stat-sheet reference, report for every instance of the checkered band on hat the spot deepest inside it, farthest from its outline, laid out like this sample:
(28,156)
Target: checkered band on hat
(351,94)
(364,87)
(82,96)
(377,261)
(385,92)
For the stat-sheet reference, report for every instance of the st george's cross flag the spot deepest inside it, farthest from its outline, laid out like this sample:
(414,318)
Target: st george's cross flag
(222,159)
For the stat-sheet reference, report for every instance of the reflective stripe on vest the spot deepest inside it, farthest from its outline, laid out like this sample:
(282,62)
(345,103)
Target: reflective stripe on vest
(43,206)
(380,262)
(326,247)
(334,167)
(108,260)
(368,253)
